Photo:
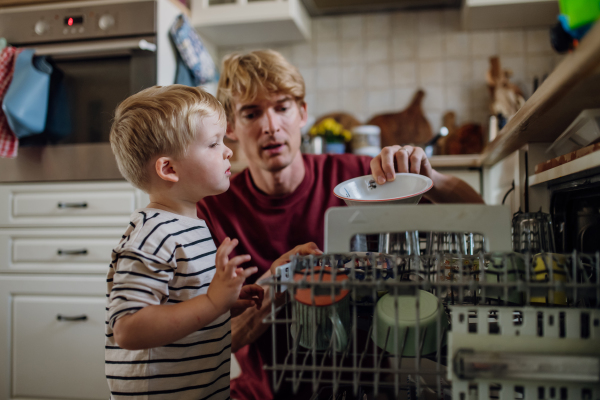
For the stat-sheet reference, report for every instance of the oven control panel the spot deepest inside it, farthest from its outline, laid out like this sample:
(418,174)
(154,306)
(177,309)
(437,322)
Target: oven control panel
(55,23)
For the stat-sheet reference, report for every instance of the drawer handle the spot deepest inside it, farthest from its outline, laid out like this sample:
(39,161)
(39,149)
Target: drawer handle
(73,205)
(75,318)
(72,252)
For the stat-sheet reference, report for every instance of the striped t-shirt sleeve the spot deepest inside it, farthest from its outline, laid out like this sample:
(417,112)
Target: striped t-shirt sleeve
(138,280)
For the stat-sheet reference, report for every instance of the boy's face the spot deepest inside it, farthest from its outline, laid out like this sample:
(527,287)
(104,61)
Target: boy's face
(205,168)
(268,129)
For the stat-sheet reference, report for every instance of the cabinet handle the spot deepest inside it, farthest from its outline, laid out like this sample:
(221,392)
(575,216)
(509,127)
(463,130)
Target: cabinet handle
(75,318)
(73,205)
(72,252)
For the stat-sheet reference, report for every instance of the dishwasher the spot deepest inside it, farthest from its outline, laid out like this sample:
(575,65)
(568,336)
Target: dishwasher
(443,310)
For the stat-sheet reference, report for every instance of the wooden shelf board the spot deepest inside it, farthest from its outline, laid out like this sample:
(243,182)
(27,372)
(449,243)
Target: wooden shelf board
(460,161)
(578,165)
(572,87)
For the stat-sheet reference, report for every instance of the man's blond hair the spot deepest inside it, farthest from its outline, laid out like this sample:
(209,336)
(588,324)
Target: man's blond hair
(244,76)
(158,121)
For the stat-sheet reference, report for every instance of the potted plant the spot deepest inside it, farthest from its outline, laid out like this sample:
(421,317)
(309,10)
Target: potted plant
(333,133)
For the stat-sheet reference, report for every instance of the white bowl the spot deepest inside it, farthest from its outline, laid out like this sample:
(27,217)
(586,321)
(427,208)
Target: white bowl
(364,190)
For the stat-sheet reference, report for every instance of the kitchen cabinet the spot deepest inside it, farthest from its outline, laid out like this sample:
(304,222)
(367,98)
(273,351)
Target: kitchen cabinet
(245,22)
(508,14)
(55,247)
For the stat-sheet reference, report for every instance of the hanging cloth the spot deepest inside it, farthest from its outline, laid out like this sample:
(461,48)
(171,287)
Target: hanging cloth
(9,143)
(193,53)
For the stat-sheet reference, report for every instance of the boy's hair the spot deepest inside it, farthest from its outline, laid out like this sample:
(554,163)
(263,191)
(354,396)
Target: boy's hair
(160,120)
(245,75)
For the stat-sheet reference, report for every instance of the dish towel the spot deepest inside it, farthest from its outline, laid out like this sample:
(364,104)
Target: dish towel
(8,141)
(192,52)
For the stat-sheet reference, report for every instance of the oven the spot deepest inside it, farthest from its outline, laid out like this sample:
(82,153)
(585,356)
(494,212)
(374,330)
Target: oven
(104,51)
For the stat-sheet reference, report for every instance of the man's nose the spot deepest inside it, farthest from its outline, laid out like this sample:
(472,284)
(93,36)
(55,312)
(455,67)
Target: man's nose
(271,123)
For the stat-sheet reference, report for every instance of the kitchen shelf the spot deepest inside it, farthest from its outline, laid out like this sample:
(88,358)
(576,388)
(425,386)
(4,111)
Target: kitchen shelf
(572,87)
(578,165)
(456,161)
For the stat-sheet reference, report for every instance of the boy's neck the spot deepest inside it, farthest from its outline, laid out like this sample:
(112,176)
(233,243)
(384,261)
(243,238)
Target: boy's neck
(180,207)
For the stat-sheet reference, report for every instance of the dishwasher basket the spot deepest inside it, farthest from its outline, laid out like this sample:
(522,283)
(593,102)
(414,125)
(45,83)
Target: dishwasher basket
(487,326)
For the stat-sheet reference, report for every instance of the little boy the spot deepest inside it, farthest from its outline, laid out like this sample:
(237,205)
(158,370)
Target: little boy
(170,290)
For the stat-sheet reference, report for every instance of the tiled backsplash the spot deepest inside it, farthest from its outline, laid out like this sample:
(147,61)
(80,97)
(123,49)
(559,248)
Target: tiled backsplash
(367,64)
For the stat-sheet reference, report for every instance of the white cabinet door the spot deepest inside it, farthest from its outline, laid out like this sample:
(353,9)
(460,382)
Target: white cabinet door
(68,204)
(43,356)
(58,250)
(471,177)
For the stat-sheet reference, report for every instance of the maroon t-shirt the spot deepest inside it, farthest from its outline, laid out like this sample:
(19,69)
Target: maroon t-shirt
(268,226)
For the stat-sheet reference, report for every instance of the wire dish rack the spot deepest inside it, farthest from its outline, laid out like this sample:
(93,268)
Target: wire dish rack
(486,326)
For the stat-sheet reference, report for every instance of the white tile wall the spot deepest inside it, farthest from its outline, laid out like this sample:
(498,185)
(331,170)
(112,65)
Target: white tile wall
(367,64)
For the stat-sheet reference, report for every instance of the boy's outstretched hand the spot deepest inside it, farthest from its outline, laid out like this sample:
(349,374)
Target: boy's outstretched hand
(226,285)
(251,295)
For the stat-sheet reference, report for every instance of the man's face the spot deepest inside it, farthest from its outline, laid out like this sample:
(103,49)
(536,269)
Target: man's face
(268,129)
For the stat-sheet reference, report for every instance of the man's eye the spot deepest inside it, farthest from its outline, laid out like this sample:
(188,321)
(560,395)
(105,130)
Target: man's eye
(250,116)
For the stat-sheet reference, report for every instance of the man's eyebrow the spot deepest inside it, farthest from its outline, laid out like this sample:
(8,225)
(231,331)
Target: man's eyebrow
(253,106)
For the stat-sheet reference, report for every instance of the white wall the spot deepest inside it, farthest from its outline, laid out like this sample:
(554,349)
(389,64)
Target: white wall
(371,63)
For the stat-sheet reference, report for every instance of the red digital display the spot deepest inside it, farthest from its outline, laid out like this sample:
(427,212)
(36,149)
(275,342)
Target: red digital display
(70,21)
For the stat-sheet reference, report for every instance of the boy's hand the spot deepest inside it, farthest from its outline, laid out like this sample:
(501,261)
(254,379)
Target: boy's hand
(303,249)
(249,296)
(226,285)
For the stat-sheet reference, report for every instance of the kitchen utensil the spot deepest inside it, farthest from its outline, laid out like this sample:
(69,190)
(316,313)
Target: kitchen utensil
(405,189)
(319,316)
(502,268)
(532,232)
(406,126)
(429,311)
(556,273)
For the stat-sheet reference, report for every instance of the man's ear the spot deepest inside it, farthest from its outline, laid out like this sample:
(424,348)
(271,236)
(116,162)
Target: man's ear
(229,132)
(165,169)
(303,114)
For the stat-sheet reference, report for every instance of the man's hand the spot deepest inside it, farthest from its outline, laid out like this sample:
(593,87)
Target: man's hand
(303,250)
(226,285)
(250,295)
(407,159)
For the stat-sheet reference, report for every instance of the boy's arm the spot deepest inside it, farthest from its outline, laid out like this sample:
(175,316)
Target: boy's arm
(158,325)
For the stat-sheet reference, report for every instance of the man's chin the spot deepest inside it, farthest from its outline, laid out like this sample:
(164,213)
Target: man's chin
(276,164)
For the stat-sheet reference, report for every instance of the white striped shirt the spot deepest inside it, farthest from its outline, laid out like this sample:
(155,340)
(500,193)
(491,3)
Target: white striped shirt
(165,258)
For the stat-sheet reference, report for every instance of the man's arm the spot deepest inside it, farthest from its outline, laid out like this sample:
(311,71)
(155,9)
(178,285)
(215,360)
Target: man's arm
(446,189)
(248,326)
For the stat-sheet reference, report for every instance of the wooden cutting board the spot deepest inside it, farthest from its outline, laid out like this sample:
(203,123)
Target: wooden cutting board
(408,126)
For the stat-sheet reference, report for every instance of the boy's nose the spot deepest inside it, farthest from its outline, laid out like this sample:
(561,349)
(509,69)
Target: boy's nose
(228,153)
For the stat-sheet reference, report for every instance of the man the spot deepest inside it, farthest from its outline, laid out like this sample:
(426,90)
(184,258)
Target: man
(280,200)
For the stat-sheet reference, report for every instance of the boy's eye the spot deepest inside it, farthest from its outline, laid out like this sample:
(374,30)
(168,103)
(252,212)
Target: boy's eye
(214,145)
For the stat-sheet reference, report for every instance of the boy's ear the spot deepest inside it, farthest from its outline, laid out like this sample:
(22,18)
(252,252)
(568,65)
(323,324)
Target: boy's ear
(165,169)
(230,133)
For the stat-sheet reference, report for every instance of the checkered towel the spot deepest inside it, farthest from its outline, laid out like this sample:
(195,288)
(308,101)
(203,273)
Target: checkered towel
(8,141)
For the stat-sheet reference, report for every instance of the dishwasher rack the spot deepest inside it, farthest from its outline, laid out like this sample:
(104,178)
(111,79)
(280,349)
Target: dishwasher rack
(508,325)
